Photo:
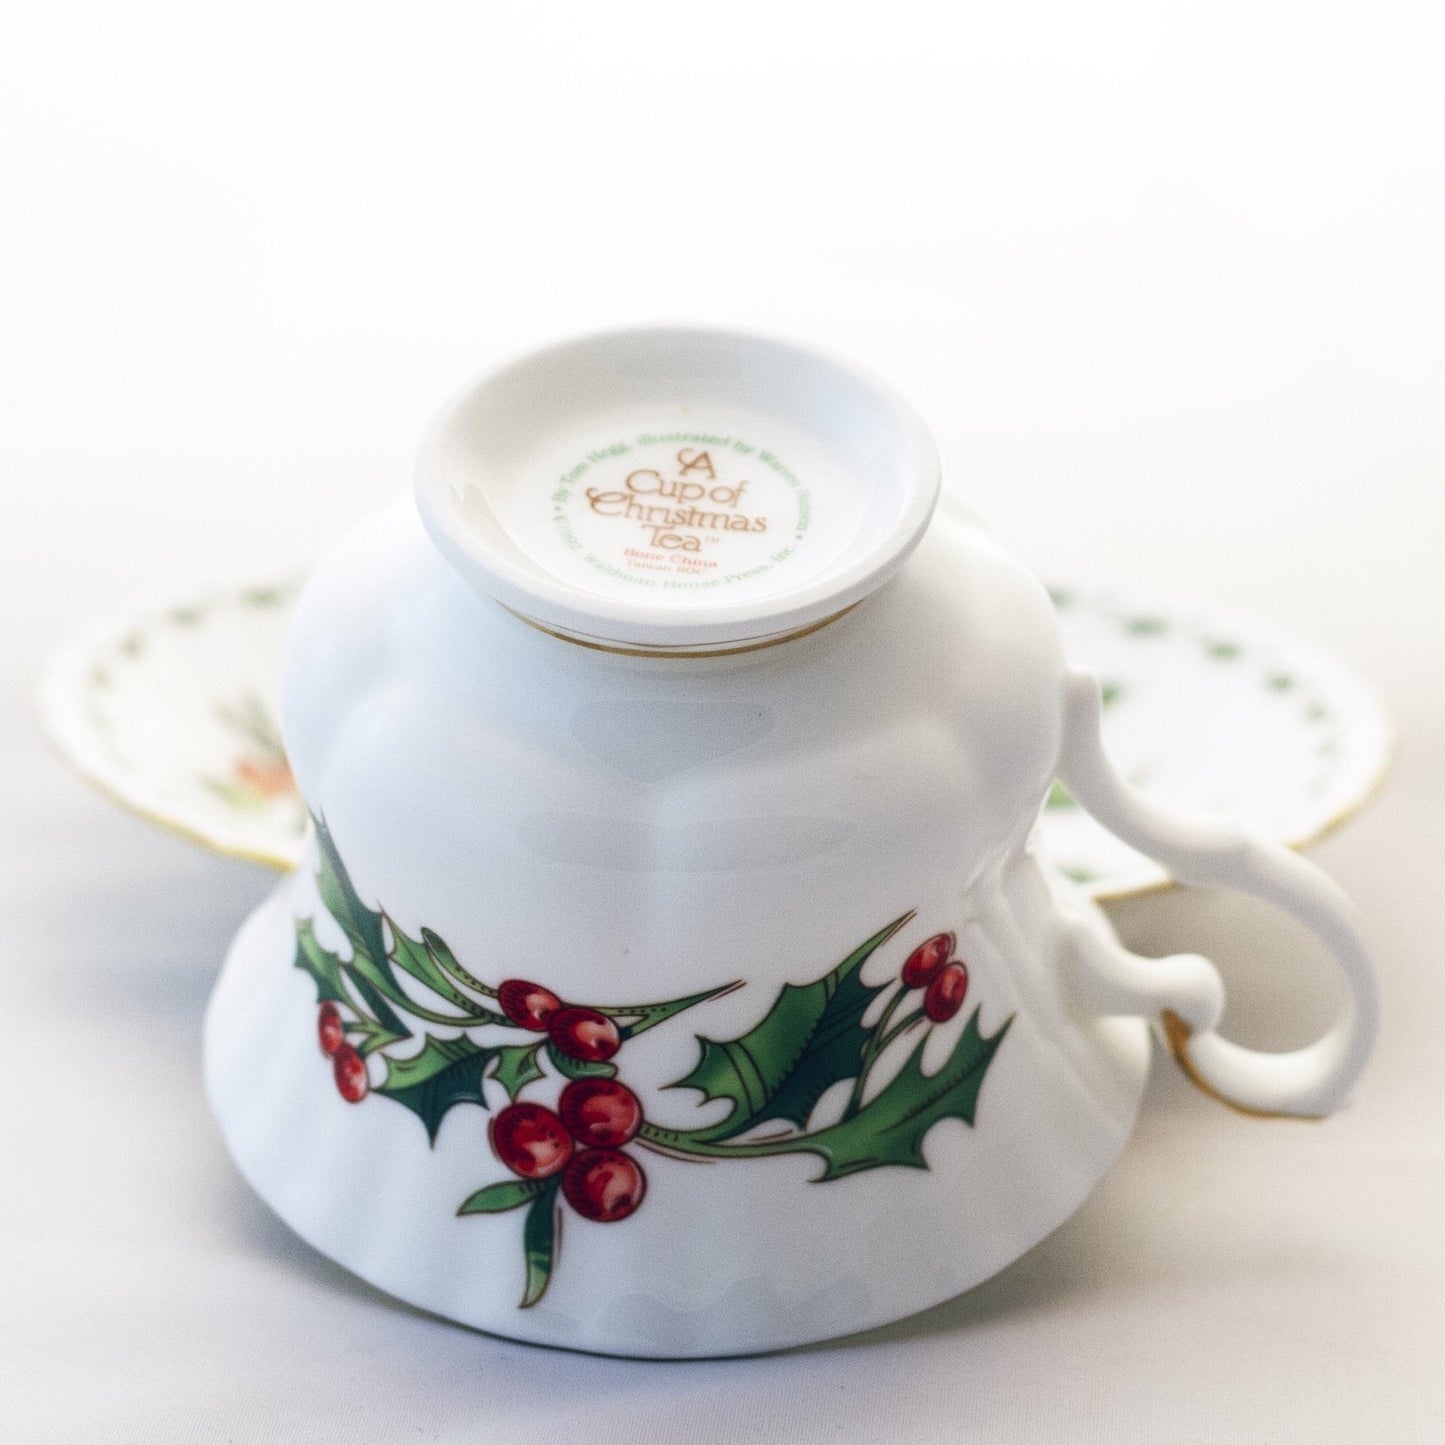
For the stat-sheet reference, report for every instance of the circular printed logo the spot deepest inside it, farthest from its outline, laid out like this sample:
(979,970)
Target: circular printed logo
(681,510)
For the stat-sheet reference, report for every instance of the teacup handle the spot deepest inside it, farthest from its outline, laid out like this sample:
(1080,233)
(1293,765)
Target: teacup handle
(1185,992)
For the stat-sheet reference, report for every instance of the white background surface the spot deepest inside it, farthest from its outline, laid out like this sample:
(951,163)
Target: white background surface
(1166,281)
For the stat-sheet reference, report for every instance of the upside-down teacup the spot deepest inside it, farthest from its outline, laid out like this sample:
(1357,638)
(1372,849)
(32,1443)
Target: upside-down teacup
(674,970)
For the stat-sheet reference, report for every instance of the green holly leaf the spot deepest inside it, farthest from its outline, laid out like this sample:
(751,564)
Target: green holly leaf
(541,1235)
(329,973)
(541,1230)
(649,1015)
(323,965)
(445,1073)
(811,1038)
(517,1067)
(416,958)
(891,1127)
(446,960)
(500,1197)
(368,968)
(372,965)
(1147,626)
(369,1036)
(362,925)
(889,1130)
(579,1068)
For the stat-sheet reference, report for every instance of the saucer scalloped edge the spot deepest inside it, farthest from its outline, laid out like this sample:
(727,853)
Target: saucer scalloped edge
(172,710)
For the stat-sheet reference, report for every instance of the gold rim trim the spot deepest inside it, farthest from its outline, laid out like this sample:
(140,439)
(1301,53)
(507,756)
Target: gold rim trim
(666,654)
(1177,1034)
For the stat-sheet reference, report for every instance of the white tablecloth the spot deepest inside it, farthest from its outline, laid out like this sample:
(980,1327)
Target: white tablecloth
(1168,290)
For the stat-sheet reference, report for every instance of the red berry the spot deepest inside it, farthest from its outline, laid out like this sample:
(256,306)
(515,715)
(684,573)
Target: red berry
(528,1005)
(530,1140)
(604,1184)
(600,1113)
(925,960)
(329,1029)
(350,1071)
(945,994)
(583,1033)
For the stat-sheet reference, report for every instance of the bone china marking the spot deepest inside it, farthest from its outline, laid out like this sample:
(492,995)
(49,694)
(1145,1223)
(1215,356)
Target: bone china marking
(678,1005)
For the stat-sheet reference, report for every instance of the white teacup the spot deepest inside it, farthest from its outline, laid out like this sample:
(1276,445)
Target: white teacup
(685,975)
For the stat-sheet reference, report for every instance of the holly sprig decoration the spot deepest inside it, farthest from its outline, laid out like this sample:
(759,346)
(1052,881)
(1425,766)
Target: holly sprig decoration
(378,1000)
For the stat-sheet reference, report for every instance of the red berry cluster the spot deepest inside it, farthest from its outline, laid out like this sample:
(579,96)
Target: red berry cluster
(348,1067)
(580,1141)
(580,1033)
(595,1117)
(943,979)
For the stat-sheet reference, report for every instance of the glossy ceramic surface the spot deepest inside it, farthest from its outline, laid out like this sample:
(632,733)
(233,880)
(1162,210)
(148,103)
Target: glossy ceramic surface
(630,837)
(516,890)
(172,709)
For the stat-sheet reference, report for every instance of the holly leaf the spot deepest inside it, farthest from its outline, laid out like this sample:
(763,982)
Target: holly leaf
(649,1015)
(517,1067)
(891,1127)
(323,965)
(811,1038)
(370,1035)
(329,973)
(446,1072)
(362,925)
(502,1196)
(446,960)
(416,958)
(579,1068)
(368,968)
(372,965)
(541,1236)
